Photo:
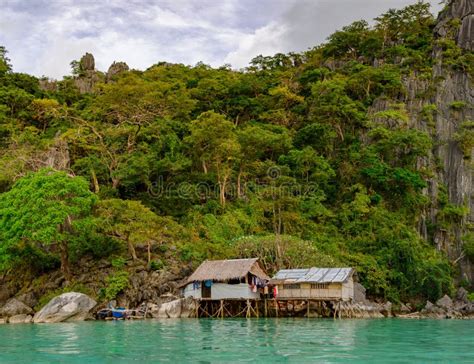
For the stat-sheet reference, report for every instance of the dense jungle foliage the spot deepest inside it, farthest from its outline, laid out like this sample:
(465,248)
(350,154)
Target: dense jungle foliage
(286,160)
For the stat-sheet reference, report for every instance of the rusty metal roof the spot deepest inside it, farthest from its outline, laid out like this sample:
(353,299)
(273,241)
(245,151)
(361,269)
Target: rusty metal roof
(314,275)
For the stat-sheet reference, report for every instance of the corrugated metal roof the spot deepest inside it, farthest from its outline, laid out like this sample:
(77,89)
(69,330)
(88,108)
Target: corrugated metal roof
(314,275)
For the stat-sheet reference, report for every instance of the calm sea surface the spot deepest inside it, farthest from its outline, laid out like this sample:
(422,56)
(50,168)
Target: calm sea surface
(240,340)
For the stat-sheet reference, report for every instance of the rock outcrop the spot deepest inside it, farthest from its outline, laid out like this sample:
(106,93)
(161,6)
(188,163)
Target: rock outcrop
(70,306)
(87,62)
(359,293)
(461,295)
(445,308)
(180,308)
(88,76)
(149,286)
(452,167)
(115,69)
(445,302)
(456,172)
(463,11)
(20,319)
(14,307)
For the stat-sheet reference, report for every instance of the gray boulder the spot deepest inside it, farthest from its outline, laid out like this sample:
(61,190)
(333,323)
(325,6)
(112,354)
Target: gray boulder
(445,302)
(72,306)
(461,295)
(386,309)
(28,299)
(359,293)
(183,307)
(20,319)
(429,307)
(433,311)
(14,307)
(405,308)
(115,69)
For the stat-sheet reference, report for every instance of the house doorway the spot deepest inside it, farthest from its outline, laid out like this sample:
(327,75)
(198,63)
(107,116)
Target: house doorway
(206,289)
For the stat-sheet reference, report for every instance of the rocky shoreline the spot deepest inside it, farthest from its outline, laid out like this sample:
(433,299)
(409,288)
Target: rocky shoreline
(74,306)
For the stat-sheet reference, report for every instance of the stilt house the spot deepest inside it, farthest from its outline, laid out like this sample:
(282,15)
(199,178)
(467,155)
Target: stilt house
(315,283)
(226,279)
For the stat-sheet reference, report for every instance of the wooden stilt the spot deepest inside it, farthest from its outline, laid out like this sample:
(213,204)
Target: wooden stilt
(265,308)
(307,309)
(222,309)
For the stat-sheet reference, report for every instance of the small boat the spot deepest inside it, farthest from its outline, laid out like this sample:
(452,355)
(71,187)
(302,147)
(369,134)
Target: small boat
(119,313)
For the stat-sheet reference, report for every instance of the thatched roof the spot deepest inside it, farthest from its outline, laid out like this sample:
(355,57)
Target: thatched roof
(223,270)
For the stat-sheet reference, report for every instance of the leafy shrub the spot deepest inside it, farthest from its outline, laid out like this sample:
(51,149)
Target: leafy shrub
(468,245)
(116,283)
(156,264)
(457,105)
(118,262)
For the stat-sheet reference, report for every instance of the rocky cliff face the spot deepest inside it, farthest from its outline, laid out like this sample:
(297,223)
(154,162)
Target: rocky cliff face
(456,168)
(440,106)
(89,76)
(463,11)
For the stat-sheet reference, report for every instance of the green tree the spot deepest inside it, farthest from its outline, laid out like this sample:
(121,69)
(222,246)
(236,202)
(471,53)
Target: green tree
(41,209)
(133,224)
(5,65)
(214,142)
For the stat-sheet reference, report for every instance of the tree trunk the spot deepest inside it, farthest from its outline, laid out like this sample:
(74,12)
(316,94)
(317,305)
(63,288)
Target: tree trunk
(204,167)
(278,250)
(95,181)
(239,176)
(63,248)
(115,183)
(222,186)
(149,252)
(65,260)
(131,250)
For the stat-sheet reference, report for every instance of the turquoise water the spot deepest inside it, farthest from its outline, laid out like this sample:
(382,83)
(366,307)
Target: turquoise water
(240,340)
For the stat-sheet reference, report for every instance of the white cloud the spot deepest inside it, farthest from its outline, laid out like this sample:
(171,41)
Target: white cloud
(44,36)
(307,23)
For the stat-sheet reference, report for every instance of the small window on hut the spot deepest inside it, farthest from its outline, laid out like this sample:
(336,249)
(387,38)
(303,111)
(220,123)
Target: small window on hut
(291,286)
(320,286)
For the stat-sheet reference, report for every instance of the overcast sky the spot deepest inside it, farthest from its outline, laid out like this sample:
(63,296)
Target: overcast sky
(44,36)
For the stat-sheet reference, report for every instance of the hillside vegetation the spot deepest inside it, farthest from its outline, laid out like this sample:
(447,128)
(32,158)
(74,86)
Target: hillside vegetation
(289,160)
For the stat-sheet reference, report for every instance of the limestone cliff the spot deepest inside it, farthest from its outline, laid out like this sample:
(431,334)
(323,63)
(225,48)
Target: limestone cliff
(88,76)
(454,88)
(441,105)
